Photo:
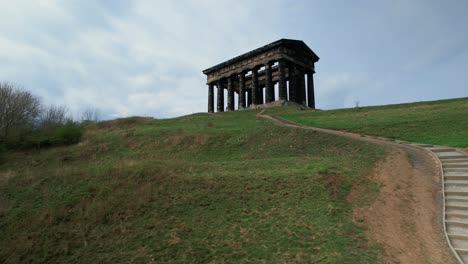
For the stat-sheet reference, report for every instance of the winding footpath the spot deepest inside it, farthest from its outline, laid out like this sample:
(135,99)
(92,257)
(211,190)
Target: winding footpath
(453,165)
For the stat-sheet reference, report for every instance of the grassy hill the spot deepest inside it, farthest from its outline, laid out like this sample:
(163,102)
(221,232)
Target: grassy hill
(443,122)
(199,188)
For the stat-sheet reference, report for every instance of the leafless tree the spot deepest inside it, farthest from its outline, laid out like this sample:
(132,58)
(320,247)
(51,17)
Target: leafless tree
(91,114)
(356,104)
(53,116)
(18,108)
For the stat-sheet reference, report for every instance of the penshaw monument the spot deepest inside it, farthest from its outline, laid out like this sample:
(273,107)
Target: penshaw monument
(286,66)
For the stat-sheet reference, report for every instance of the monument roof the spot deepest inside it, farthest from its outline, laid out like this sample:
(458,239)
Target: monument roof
(290,42)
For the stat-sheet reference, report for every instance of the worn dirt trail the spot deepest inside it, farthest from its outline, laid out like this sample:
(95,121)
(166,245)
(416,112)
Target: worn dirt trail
(406,218)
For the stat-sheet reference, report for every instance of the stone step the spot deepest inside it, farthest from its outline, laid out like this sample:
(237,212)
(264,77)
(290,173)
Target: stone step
(456,192)
(461,183)
(462,251)
(455,177)
(450,198)
(456,173)
(458,210)
(442,149)
(455,170)
(456,216)
(422,145)
(450,161)
(451,201)
(456,206)
(457,223)
(456,236)
(455,188)
(459,242)
(456,165)
(455,196)
(455,229)
(451,155)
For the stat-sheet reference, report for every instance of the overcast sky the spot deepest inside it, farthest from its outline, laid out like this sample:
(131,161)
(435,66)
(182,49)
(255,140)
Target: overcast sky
(146,57)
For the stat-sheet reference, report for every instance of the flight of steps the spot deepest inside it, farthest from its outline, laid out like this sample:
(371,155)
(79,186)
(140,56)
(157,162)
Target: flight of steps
(455,171)
(455,174)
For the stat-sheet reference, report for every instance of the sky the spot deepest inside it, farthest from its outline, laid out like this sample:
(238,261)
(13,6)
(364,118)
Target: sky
(145,58)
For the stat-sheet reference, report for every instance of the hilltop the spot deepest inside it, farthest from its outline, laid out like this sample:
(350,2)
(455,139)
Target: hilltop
(443,122)
(209,187)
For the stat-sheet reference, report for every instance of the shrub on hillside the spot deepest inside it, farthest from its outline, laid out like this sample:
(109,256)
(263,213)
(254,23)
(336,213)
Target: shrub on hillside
(68,133)
(25,122)
(18,110)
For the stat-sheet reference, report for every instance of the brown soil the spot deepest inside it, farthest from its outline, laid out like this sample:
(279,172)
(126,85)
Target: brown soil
(406,218)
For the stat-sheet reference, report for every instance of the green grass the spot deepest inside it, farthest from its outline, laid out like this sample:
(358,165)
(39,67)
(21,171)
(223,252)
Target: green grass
(443,122)
(200,188)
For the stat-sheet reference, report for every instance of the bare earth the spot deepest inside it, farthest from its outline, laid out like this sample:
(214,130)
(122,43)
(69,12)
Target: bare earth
(406,218)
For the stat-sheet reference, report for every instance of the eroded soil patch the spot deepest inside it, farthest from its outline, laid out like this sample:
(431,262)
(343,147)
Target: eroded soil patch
(406,217)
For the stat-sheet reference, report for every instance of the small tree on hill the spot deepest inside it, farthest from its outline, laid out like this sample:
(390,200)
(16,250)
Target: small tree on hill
(53,116)
(91,115)
(18,109)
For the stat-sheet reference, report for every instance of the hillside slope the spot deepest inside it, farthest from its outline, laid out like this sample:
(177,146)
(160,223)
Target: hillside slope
(224,187)
(443,122)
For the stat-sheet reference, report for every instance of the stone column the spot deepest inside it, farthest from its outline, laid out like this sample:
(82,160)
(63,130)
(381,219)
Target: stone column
(292,83)
(249,97)
(220,103)
(260,95)
(310,90)
(242,90)
(282,89)
(270,91)
(230,96)
(254,85)
(301,94)
(210,98)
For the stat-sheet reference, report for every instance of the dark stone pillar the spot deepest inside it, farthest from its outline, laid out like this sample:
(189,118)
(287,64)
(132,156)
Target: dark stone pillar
(242,90)
(310,90)
(260,96)
(292,83)
(210,98)
(230,96)
(282,89)
(301,94)
(270,91)
(220,103)
(255,85)
(249,97)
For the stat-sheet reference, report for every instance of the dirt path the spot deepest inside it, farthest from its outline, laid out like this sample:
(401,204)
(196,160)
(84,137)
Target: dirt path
(406,218)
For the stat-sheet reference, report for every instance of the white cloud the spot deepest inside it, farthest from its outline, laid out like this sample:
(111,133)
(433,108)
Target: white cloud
(146,62)
(146,57)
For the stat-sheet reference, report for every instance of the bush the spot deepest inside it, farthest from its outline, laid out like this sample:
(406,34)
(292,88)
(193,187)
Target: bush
(18,109)
(69,133)
(26,123)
